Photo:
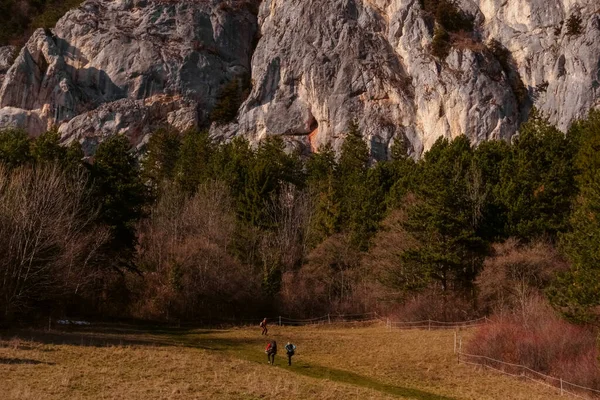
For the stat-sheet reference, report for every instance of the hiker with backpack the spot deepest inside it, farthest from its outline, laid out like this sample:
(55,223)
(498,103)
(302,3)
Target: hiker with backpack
(263,325)
(271,350)
(290,349)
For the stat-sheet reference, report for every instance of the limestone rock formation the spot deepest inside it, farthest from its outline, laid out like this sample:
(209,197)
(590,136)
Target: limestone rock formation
(128,66)
(321,64)
(6,60)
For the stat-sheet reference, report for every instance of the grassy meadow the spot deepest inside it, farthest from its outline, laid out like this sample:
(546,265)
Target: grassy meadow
(332,362)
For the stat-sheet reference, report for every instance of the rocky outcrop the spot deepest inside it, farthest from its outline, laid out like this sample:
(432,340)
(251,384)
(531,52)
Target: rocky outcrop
(561,68)
(127,66)
(321,64)
(7,57)
(369,61)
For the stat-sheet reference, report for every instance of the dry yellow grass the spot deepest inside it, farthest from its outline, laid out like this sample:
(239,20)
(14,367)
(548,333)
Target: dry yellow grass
(333,362)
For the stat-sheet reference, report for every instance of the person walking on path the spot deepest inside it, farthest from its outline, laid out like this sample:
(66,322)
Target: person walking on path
(290,349)
(263,325)
(271,350)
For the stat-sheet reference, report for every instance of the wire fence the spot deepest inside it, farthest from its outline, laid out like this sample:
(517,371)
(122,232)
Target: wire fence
(523,372)
(330,319)
(430,324)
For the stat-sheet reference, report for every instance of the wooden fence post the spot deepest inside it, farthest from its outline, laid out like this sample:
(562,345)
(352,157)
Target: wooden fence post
(429,323)
(328,319)
(459,349)
(280,320)
(561,387)
(455,342)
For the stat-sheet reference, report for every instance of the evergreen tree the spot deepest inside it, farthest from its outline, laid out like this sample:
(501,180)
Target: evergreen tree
(74,156)
(321,180)
(489,157)
(162,153)
(351,187)
(47,148)
(230,163)
(402,172)
(537,180)
(14,148)
(194,161)
(442,220)
(228,101)
(320,166)
(270,168)
(121,194)
(369,207)
(577,293)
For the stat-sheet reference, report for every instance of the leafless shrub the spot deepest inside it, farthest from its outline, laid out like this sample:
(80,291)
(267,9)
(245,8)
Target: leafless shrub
(290,213)
(332,281)
(385,258)
(184,253)
(432,303)
(49,240)
(515,274)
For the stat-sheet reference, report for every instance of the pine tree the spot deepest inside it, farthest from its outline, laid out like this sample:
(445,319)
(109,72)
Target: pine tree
(489,157)
(537,184)
(450,250)
(402,173)
(270,168)
(122,195)
(577,293)
(14,148)
(352,174)
(193,165)
(162,153)
(321,168)
(47,148)
(74,156)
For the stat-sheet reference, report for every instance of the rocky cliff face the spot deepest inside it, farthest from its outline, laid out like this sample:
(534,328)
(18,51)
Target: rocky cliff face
(128,66)
(320,64)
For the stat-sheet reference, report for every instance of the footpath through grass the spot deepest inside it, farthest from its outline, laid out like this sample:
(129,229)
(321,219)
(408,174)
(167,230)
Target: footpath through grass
(332,362)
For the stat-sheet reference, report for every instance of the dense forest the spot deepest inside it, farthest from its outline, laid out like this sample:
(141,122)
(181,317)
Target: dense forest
(194,230)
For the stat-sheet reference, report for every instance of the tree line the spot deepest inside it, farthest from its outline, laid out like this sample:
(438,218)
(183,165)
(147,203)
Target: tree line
(197,230)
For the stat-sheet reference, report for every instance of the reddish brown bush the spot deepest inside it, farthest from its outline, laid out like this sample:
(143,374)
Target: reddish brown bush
(544,343)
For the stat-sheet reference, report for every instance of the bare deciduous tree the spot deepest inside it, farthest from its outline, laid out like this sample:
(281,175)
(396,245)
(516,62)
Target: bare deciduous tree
(184,253)
(49,240)
(514,276)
